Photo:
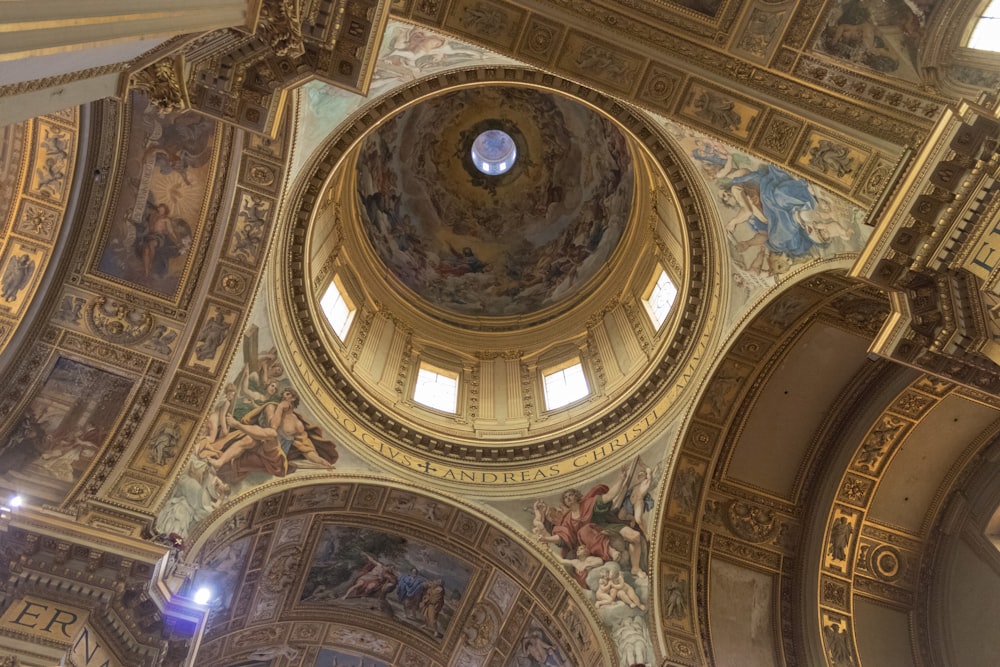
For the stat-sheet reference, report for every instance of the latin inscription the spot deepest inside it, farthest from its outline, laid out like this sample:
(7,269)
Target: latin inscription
(63,625)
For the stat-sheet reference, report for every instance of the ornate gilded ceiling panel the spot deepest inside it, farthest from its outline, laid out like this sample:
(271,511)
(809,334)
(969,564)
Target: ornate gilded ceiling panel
(38,162)
(709,517)
(638,71)
(358,569)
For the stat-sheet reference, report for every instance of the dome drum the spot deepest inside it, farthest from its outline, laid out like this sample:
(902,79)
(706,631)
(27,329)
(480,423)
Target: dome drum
(400,198)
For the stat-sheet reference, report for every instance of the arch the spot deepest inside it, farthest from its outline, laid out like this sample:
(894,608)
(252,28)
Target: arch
(273,538)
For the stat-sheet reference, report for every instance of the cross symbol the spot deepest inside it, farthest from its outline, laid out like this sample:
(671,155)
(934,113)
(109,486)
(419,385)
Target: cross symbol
(426,465)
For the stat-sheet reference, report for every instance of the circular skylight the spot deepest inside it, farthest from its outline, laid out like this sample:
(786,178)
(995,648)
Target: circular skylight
(494,152)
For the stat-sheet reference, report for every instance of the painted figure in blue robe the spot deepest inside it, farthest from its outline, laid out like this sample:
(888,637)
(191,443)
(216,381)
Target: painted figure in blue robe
(770,202)
(410,590)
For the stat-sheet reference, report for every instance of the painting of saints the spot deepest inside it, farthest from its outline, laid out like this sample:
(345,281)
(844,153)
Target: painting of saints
(270,439)
(159,238)
(601,537)
(167,171)
(410,591)
(882,36)
(854,37)
(606,523)
(774,219)
(389,575)
(768,200)
(58,436)
(419,49)
(485,253)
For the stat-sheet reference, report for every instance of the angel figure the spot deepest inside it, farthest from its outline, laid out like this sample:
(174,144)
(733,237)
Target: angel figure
(16,277)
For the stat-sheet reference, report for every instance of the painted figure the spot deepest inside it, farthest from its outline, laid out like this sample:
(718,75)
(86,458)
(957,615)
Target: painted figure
(624,592)
(16,277)
(608,522)
(198,493)
(213,334)
(538,651)
(376,579)
(164,443)
(840,537)
(158,239)
(769,201)
(410,591)
(267,439)
(582,564)
(675,597)
(854,37)
(431,605)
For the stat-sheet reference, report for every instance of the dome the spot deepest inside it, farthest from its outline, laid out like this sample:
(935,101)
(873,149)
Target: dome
(473,319)
(495,201)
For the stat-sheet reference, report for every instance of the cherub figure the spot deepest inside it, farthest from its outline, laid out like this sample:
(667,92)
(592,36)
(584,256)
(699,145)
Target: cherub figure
(605,595)
(624,592)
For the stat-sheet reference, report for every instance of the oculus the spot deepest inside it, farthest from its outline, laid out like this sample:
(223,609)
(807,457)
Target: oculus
(494,152)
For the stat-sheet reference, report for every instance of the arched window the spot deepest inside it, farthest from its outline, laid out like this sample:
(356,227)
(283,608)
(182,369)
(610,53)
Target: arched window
(986,34)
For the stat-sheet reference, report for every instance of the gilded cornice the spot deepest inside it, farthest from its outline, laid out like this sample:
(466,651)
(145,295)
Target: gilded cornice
(933,250)
(242,76)
(60,560)
(34,85)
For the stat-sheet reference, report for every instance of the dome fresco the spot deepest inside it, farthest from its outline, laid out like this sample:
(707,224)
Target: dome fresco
(495,245)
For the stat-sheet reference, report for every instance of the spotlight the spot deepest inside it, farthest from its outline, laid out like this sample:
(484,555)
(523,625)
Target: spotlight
(16,501)
(203,595)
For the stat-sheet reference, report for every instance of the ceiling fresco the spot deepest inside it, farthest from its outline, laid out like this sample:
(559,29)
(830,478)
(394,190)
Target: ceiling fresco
(775,223)
(235,452)
(814,223)
(747,484)
(38,163)
(510,244)
(374,572)
(163,199)
(880,35)
(337,574)
(600,533)
(407,54)
(59,434)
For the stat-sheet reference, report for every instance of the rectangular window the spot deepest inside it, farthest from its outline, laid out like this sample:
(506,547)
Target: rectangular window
(337,309)
(660,299)
(436,388)
(564,385)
